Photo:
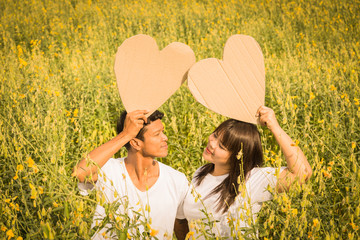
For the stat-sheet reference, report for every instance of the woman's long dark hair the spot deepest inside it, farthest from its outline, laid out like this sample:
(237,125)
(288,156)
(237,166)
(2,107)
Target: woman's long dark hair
(235,136)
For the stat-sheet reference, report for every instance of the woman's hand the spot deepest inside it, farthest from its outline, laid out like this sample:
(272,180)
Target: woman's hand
(267,118)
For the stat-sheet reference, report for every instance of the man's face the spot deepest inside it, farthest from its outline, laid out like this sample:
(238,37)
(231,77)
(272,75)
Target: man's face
(154,144)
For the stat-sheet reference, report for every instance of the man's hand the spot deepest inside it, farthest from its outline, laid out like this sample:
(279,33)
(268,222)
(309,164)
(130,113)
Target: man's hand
(134,121)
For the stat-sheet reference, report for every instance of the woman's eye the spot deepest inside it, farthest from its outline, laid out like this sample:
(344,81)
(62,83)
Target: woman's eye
(222,147)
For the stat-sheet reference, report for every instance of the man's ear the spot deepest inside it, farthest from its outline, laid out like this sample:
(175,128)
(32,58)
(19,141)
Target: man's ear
(136,144)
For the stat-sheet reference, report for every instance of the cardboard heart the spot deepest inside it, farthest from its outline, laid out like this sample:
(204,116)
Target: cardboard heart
(147,77)
(234,86)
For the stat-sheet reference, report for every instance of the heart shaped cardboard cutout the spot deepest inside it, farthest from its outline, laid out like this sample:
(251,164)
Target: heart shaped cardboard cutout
(234,86)
(147,77)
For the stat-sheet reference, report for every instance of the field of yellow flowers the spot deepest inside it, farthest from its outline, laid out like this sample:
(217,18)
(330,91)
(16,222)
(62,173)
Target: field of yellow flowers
(59,100)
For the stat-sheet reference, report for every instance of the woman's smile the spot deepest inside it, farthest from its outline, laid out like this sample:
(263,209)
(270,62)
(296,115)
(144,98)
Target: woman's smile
(207,150)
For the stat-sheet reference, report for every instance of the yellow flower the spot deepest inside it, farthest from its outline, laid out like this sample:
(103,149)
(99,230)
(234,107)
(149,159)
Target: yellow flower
(76,111)
(3,228)
(312,96)
(315,222)
(33,191)
(16,176)
(189,234)
(41,190)
(19,238)
(325,173)
(356,101)
(22,62)
(30,162)
(19,167)
(10,234)
(353,145)
(332,88)
(35,169)
(153,232)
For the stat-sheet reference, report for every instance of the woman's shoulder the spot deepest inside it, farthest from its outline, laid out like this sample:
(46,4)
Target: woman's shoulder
(262,171)
(267,175)
(198,171)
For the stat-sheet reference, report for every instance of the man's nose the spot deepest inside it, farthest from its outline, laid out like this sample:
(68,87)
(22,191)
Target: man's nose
(165,137)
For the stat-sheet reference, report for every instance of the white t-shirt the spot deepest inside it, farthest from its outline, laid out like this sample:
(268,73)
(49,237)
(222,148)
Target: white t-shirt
(242,212)
(158,206)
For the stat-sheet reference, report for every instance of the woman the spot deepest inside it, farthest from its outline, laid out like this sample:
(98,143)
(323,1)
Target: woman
(227,192)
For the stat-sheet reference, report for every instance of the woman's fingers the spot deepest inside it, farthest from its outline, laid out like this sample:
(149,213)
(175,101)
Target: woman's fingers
(262,113)
(266,116)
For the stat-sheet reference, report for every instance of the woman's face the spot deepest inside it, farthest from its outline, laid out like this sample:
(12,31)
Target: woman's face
(215,152)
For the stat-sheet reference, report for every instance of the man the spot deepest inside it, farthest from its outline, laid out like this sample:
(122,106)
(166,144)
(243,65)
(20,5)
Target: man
(141,185)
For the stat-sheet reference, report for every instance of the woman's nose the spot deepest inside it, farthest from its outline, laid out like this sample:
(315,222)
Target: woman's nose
(212,141)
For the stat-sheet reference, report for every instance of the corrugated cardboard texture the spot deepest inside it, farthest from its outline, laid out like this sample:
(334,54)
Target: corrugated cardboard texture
(147,77)
(234,86)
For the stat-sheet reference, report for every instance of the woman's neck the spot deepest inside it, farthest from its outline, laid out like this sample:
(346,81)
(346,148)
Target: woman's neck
(220,170)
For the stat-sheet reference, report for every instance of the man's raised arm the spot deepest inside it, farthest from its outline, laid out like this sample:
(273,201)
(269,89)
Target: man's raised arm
(88,167)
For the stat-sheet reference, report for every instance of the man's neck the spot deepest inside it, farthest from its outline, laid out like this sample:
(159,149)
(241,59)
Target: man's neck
(143,171)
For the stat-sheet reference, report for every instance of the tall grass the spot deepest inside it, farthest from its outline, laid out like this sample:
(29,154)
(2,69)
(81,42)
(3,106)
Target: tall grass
(58,101)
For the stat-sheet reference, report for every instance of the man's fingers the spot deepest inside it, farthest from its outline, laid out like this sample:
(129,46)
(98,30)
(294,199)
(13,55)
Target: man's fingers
(139,114)
(144,118)
(140,122)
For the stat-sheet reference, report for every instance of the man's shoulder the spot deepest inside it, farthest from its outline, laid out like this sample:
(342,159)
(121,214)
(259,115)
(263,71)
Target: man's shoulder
(113,164)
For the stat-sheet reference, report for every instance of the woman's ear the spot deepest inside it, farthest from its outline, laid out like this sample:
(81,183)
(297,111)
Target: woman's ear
(136,144)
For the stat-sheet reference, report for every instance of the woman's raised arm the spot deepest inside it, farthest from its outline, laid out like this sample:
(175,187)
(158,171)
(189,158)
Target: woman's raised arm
(298,168)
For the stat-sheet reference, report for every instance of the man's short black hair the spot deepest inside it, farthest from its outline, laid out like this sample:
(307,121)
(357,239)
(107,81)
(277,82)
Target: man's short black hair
(120,124)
